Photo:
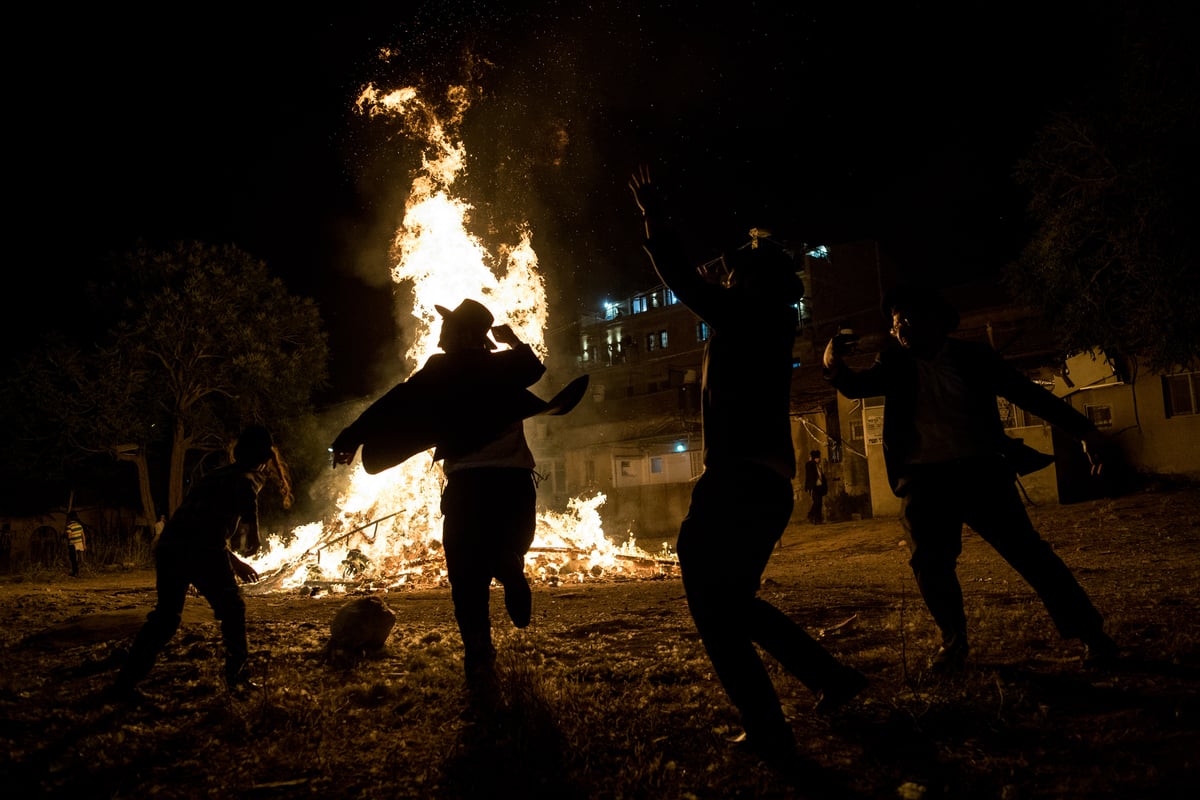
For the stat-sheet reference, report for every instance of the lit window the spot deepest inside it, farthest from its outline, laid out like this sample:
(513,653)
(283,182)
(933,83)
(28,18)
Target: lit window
(651,342)
(639,304)
(662,339)
(670,297)
(702,331)
(1181,394)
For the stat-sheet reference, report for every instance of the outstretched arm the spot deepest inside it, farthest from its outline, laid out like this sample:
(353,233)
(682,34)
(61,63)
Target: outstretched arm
(667,256)
(241,570)
(647,197)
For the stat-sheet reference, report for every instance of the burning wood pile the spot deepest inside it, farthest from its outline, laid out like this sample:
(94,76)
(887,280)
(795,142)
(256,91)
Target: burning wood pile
(568,548)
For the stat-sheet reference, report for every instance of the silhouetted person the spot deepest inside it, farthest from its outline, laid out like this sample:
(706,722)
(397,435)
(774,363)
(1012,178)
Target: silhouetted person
(742,502)
(76,542)
(944,449)
(816,485)
(194,550)
(489,503)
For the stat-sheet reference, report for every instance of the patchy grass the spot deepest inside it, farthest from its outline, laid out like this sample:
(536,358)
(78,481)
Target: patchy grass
(609,694)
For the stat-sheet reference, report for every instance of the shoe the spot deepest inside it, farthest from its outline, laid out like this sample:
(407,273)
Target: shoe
(1100,650)
(518,600)
(243,686)
(776,750)
(949,659)
(239,682)
(841,691)
(483,690)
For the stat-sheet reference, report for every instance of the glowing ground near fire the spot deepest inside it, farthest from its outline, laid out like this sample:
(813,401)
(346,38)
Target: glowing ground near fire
(387,528)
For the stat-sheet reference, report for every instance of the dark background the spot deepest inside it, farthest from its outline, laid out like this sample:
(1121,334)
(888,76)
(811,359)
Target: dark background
(821,122)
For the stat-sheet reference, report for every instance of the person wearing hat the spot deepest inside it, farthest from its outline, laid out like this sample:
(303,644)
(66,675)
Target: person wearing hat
(194,550)
(743,501)
(949,461)
(489,502)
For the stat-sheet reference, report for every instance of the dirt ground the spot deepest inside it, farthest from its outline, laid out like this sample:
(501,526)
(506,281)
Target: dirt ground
(637,712)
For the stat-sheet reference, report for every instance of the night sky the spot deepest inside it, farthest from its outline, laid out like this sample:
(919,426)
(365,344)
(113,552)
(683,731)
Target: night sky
(822,123)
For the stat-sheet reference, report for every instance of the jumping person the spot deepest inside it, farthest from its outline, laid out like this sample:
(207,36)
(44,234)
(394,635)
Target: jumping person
(742,502)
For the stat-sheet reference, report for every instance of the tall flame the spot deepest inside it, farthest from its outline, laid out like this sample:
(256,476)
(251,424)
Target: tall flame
(387,527)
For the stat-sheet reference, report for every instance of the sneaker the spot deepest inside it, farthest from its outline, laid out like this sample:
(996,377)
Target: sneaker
(518,600)
(949,659)
(238,682)
(1100,650)
(242,687)
(841,691)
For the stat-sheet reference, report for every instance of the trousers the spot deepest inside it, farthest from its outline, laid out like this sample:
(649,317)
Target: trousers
(489,517)
(982,493)
(178,567)
(736,516)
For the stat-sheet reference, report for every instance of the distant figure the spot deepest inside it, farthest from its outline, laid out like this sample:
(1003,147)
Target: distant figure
(76,543)
(951,463)
(816,486)
(158,528)
(742,502)
(194,550)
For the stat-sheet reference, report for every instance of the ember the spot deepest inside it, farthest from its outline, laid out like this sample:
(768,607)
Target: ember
(386,531)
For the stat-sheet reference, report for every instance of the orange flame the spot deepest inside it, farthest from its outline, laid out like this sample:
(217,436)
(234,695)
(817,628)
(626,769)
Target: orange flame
(387,528)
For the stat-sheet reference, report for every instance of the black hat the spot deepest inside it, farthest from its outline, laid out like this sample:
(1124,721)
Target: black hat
(254,445)
(471,319)
(920,299)
(771,266)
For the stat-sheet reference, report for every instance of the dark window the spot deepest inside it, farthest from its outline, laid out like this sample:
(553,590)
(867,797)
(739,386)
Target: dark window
(1181,394)
(1101,416)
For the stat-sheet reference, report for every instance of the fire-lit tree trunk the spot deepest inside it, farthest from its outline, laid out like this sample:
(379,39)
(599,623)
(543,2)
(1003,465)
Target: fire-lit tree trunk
(138,458)
(180,442)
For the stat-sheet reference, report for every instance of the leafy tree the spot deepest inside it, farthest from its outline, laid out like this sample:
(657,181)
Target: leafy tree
(217,343)
(200,341)
(1112,264)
